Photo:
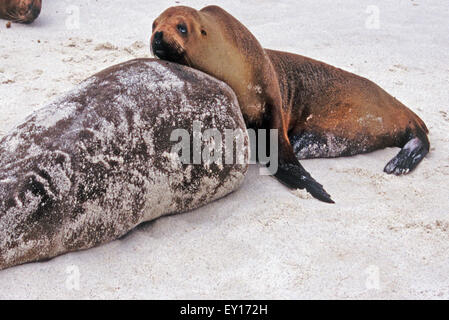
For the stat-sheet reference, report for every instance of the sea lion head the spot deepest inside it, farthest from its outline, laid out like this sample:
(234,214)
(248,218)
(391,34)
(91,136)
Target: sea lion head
(176,32)
(23,11)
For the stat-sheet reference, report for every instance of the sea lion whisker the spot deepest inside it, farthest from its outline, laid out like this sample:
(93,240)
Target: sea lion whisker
(178,49)
(187,59)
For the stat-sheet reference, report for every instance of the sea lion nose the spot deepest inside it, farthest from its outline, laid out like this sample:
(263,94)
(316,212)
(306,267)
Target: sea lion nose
(158,37)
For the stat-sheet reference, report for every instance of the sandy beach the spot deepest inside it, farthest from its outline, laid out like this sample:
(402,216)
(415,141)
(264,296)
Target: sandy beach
(386,237)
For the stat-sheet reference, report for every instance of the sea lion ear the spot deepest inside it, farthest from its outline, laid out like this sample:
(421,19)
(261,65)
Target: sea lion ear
(203,32)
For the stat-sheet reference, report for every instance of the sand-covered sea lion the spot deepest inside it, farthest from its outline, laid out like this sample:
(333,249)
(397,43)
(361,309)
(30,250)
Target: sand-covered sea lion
(320,110)
(89,167)
(23,11)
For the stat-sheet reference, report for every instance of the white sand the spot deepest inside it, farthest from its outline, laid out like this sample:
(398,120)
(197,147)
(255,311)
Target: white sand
(262,241)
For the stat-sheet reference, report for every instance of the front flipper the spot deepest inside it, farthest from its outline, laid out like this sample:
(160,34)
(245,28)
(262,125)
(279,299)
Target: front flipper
(295,176)
(290,172)
(408,158)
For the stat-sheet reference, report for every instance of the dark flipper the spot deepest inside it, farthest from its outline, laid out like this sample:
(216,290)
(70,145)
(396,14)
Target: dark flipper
(408,158)
(289,171)
(295,176)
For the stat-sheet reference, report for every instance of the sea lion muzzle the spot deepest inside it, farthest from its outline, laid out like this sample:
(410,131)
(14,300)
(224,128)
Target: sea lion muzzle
(165,50)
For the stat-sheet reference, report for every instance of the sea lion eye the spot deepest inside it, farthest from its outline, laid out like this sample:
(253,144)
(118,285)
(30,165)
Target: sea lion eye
(182,28)
(203,32)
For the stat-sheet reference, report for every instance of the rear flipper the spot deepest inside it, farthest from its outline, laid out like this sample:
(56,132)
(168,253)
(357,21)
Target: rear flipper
(408,158)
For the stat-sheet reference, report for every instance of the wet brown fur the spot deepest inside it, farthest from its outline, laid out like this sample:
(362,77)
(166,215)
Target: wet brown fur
(320,98)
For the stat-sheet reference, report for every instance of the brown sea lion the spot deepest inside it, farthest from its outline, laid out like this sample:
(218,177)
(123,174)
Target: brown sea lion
(320,110)
(89,167)
(23,11)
